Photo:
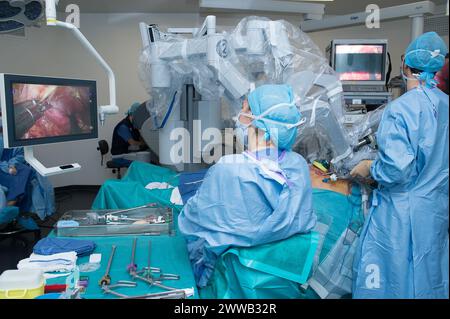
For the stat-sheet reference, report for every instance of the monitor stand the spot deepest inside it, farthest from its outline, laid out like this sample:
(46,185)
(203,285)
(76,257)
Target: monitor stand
(48,171)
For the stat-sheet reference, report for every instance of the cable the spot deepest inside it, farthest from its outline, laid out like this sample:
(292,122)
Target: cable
(389,71)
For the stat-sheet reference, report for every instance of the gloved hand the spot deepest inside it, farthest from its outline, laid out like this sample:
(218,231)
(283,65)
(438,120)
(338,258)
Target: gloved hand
(362,169)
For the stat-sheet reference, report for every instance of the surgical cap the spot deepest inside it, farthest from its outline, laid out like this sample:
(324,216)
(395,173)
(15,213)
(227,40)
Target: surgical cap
(133,108)
(427,54)
(267,96)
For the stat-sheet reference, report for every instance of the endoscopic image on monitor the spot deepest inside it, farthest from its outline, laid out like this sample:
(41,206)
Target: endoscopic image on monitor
(43,111)
(355,62)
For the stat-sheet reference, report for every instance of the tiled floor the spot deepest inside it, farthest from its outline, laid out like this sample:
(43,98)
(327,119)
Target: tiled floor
(14,249)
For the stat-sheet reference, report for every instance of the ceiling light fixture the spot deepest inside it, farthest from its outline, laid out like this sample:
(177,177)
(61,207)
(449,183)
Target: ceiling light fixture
(316,10)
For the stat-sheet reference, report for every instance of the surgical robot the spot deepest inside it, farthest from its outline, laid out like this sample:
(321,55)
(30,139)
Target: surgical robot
(190,74)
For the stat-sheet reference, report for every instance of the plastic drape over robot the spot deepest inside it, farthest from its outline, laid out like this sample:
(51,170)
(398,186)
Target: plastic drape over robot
(227,66)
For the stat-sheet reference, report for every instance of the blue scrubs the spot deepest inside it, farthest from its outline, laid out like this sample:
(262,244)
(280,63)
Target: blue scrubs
(239,204)
(33,192)
(403,251)
(124,133)
(18,185)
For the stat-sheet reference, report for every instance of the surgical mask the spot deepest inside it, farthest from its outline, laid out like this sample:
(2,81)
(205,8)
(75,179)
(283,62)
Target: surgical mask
(242,129)
(266,112)
(241,132)
(405,78)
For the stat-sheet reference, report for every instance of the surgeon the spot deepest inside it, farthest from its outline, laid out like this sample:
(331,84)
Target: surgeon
(260,196)
(15,175)
(126,137)
(403,251)
(24,187)
(442,77)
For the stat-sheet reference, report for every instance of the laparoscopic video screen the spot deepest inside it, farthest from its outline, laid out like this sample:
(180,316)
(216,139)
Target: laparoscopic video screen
(359,62)
(42,111)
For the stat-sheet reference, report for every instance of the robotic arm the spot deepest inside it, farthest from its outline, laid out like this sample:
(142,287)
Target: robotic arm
(215,50)
(258,51)
(207,45)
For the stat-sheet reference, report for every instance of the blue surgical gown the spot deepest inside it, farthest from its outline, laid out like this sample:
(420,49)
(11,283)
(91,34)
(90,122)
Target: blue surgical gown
(34,192)
(238,204)
(17,185)
(403,251)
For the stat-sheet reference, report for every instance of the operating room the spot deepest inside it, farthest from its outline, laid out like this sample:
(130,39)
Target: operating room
(213,149)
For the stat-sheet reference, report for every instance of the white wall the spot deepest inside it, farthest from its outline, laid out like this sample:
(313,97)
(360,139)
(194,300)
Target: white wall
(55,52)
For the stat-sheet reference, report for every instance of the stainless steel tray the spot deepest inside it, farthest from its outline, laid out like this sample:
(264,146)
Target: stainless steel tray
(143,220)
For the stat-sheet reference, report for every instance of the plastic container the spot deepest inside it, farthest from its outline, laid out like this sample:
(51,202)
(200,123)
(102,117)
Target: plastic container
(22,284)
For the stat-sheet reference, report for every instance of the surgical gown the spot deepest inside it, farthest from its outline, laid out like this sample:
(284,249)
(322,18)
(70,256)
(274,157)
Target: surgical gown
(238,204)
(17,185)
(403,251)
(35,193)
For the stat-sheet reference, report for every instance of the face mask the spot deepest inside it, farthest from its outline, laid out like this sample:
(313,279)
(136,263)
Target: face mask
(265,113)
(241,132)
(242,129)
(405,78)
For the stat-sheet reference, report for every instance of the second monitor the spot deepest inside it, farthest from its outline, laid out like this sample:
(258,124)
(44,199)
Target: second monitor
(359,62)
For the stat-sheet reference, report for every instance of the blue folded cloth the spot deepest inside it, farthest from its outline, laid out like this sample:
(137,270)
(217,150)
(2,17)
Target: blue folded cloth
(190,183)
(50,246)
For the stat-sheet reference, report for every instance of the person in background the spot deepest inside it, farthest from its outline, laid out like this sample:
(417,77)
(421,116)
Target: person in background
(14,174)
(126,138)
(403,250)
(260,196)
(442,77)
(23,187)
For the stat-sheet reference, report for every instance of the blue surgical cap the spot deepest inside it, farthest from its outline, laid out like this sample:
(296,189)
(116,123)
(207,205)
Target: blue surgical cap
(427,54)
(267,96)
(133,108)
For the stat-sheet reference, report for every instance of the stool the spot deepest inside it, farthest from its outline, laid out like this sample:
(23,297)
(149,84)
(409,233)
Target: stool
(116,166)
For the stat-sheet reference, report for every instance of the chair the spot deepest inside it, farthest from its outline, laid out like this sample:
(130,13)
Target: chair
(14,223)
(9,227)
(115,164)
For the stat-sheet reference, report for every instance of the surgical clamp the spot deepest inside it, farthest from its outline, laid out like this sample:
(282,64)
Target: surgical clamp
(132,267)
(106,279)
(148,271)
(131,209)
(173,294)
(108,289)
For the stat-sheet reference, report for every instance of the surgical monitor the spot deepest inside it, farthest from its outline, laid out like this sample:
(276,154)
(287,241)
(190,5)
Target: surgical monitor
(359,62)
(43,110)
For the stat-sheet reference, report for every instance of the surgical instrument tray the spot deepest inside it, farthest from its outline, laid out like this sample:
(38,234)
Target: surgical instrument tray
(144,220)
